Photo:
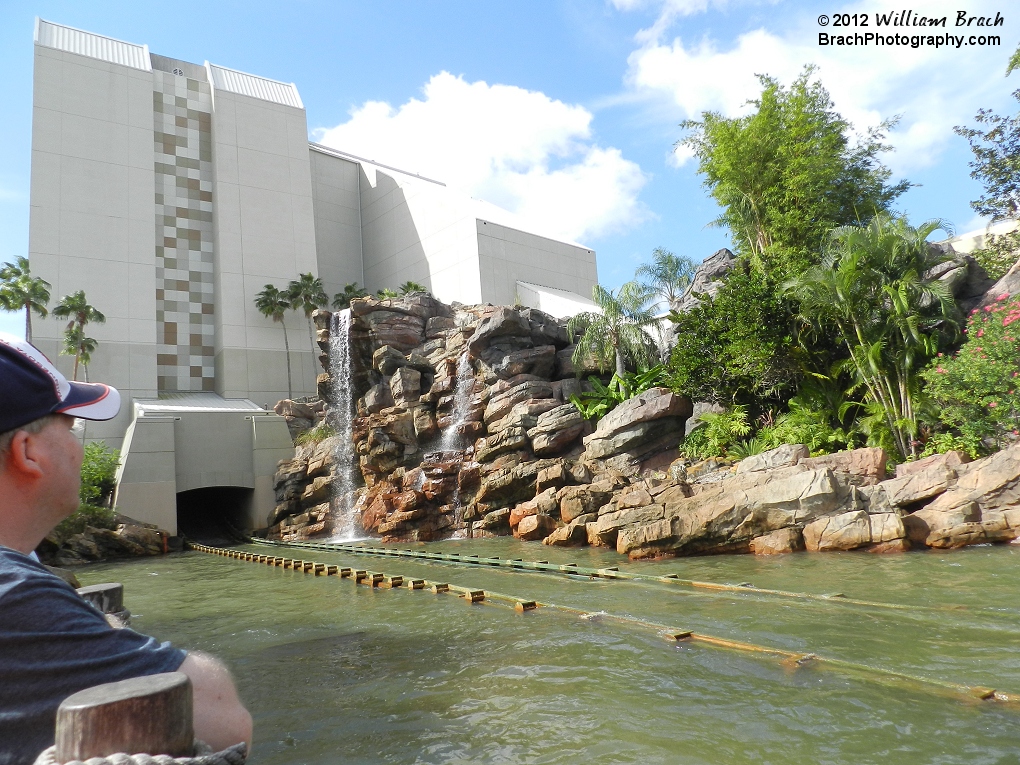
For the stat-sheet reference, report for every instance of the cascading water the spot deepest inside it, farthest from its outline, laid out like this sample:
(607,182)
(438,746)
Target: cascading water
(341,419)
(452,439)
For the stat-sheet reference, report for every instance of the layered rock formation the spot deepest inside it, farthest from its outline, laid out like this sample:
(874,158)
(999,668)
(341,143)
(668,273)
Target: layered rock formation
(460,410)
(490,383)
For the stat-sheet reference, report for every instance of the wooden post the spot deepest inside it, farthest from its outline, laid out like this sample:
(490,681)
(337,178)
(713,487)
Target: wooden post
(150,715)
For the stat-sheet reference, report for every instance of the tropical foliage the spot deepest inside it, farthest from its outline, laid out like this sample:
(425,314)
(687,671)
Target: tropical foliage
(98,480)
(788,172)
(20,291)
(668,276)
(409,288)
(615,335)
(274,303)
(602,399)
(874,290)
(352,291)
(76,308)
(977,389)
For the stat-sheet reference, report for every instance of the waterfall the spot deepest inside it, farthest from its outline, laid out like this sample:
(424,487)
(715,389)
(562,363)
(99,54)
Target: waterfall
(341,420)
(462,393)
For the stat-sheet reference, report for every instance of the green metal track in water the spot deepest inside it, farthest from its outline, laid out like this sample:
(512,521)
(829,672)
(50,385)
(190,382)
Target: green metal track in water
(575,571)
(790,659)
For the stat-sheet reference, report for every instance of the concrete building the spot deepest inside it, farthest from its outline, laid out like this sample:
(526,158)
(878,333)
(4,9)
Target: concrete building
(172,192)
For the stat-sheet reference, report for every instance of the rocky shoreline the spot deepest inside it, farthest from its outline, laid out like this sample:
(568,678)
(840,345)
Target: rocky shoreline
(530,465)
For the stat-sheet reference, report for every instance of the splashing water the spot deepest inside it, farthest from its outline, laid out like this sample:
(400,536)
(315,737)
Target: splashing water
(452,439)
(342,421)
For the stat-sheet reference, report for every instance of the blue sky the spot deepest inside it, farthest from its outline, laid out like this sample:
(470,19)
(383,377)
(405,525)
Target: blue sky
(564,111)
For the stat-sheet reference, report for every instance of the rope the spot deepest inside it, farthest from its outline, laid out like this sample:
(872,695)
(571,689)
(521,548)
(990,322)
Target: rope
(204,755)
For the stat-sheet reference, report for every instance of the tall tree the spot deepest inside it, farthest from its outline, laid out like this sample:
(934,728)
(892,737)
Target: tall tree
(81,347)
(306,294)
(616,333)
(76,308)
(995,144)
(19,290)
(873,290)
(275,303)
(788,172)
(669,276)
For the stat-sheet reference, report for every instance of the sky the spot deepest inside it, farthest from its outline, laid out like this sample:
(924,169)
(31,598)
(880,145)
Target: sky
(565,112)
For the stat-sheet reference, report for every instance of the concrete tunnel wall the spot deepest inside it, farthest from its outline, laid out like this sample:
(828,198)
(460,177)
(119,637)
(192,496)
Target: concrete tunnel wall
(167,453)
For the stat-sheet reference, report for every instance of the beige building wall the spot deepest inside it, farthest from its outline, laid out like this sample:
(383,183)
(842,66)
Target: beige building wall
(417,230)
(336,202)
(264,233)
(92,214)
(507,256)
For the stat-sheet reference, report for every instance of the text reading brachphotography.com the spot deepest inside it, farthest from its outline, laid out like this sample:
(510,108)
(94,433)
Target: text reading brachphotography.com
(908,28)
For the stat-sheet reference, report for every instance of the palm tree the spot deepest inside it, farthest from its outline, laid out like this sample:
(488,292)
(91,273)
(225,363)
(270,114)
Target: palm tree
(873,289)
(408,288)
(342,300)
(306,294)
(20,290)
(616,333)
(274,303)
(81,347)
(669,276)
(76,307)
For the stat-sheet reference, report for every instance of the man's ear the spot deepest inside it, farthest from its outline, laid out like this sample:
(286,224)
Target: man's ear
(22,457)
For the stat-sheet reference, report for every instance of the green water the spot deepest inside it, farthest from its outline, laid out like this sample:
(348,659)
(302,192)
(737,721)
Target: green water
(339,673)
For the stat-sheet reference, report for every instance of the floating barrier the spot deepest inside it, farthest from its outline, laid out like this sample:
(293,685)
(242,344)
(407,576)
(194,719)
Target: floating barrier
(791,659)
(573,571)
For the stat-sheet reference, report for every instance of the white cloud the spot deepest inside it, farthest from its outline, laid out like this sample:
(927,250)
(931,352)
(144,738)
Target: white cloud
(932,89)
(516,148)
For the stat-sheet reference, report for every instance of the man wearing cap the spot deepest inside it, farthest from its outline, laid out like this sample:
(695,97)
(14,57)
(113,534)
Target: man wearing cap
(52,643)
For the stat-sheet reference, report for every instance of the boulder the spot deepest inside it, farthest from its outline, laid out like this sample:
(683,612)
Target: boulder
(288,408)
(580,500)
(502,400)
(534,361)
(708,278)
(317,492)
(405,386)
(571,535)
(387,360)
(991,483)
(552,477)
(495,520)
(605,528)
(951,459)
(648,540)
(782,456)
(437,326)
(556,430)
(425,427)
(653,404)
(919,486)
(535,527)
(377,398)
(862,466)
(545,329)
(633,496)
(636,442)
(847,531)
(512,439)
(503,322)
(777,542)
(886,527)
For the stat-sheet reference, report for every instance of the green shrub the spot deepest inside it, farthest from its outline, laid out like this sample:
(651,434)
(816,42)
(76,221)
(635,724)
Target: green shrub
(717,433)
(315,435)
(98,480)
(976,391)
(602,399)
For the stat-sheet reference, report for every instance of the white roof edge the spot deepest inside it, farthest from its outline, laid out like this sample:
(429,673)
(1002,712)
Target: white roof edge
(347,155)
(247,84)
(141,62)
(520,228)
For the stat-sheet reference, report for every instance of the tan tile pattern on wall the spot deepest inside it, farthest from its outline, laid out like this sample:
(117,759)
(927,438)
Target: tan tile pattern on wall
(185,332)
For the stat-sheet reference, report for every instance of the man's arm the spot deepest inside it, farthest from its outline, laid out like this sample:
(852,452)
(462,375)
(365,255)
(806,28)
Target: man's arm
(220,718)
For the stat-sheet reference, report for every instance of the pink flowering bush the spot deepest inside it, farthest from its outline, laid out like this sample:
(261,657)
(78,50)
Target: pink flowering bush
(976,391)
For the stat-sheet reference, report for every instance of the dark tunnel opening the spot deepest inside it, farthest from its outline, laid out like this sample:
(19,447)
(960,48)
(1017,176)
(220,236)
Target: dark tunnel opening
(216,515)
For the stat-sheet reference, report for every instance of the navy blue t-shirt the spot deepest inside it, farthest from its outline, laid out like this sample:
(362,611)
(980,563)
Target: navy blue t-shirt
(53,644)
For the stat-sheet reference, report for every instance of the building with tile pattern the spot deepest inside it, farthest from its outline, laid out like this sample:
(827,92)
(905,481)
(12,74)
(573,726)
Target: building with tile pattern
(172,193)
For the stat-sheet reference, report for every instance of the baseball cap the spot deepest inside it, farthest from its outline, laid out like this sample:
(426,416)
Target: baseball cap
(31,387)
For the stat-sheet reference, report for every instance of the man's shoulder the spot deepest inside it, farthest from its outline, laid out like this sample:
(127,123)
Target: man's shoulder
(17,568)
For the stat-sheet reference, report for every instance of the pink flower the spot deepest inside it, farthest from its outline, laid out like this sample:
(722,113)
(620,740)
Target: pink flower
(992,405)
(981,333)
(1003,296)
(940,370)
(988,309)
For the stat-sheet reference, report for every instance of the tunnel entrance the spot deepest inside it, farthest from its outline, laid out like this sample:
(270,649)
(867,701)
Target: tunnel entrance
(217,515)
